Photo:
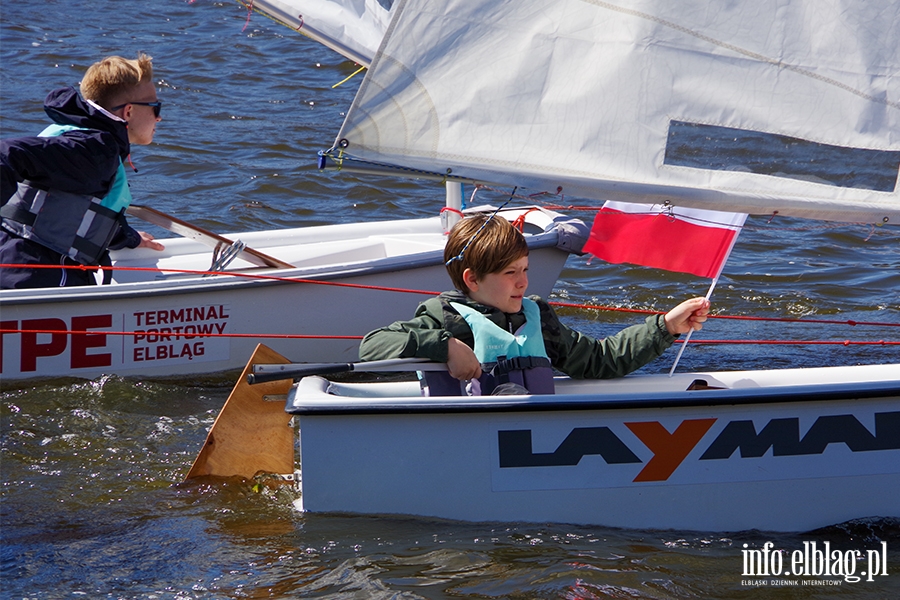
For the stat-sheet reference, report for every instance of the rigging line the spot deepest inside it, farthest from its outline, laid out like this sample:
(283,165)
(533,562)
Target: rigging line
(850,322)
(597,307)
(796,342)
(349,77)
(167,334)
(644,311)
(249,13)
(250,7)
(230,273)
(145,333)
(350,158)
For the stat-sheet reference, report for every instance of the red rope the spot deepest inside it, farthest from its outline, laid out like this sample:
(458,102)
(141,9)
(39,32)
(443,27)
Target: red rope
(249,14)
(795,342)
(230,273)
(359,337)
(735,317)
(519,223)
(189,335)
(850,322)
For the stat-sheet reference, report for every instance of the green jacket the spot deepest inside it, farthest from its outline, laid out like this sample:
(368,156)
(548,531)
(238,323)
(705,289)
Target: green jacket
(577,355)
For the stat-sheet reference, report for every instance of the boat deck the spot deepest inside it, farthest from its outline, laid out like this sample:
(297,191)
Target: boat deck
(316,395)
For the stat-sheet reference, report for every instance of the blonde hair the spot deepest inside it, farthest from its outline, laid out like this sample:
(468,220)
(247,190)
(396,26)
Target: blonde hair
(493,245)
(110,81)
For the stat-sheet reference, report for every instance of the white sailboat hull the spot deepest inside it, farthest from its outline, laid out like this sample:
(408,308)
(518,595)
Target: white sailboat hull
(152,323)
(788,450)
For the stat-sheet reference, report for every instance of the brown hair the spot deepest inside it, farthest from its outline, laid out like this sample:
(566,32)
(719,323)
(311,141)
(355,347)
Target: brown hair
(110,81)
(493,245)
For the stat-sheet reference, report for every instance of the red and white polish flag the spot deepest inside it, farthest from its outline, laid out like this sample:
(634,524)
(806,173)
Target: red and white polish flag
(686,240)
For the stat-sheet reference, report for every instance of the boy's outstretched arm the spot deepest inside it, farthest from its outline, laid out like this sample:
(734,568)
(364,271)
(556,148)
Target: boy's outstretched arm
(690,314)
(420,337)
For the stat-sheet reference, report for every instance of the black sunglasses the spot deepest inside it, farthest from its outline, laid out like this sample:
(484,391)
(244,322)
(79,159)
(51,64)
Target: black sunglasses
(157,106)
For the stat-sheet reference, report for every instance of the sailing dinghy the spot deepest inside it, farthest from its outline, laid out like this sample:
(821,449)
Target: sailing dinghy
(187,310)
(589,97)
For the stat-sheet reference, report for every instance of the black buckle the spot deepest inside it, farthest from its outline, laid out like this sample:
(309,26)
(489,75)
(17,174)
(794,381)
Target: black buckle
(519,363)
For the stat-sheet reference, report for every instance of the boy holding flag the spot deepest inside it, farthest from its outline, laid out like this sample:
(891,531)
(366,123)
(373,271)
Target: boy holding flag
(493,336)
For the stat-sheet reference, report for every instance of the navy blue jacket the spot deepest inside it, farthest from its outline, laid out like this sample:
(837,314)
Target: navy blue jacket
(78,162)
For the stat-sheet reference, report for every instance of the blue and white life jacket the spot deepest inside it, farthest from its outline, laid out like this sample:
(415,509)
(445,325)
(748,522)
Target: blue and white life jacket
(505,357)
(79,226)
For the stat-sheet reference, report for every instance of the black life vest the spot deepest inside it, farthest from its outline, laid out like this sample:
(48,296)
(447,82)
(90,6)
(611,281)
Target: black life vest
(78,226)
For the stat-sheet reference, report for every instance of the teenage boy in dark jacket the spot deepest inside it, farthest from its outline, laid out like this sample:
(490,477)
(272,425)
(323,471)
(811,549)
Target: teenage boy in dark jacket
(487,259)
(63,192)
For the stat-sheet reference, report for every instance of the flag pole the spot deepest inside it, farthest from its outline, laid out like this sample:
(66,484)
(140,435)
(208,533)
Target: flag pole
(688,337)
(712,286)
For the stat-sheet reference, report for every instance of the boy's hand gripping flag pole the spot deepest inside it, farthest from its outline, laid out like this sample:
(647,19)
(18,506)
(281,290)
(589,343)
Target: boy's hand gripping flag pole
(687,338)
(685,240)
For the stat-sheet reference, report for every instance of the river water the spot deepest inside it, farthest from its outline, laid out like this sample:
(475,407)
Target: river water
(92,502)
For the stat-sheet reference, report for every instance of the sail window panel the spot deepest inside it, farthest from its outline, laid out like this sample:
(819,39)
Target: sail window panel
(718,148)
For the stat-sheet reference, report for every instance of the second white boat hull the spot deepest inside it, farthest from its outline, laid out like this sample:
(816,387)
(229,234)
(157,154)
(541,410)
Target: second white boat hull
(771,451)
(155,322)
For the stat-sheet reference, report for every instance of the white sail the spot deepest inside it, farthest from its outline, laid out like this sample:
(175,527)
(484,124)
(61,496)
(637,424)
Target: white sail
(594,96)
(353,28)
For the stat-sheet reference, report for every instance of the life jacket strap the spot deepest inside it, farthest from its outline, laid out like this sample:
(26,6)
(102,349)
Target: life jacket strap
(18,213)
(520,363)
